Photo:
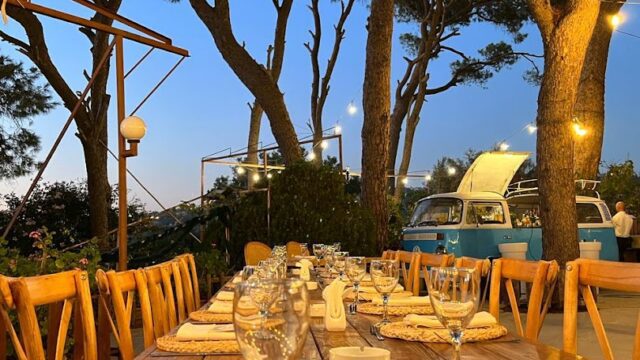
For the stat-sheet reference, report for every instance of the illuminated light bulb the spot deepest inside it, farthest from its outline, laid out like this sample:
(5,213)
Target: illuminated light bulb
(451,170)
(240,170)
(269,176)
(256,177)
(337,129)
(324,144)
(579,130)
(531,128)
(427,177)
(615,20)
(503,146)
(405,181)
(311,156)
(352,109)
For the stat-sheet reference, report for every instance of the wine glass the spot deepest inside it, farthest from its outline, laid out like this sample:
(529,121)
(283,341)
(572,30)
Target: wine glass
(339,262)
(356,270)
(454,298)
(319,250)
(281,330)
(248,272)
(385,275)
(304,249)
(337,246)
(328,259)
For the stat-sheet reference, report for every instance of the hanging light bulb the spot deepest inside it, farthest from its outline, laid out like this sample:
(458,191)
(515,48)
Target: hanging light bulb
(451,171)
(240,170)
(269,176)
(579,130)
(337,130)
(324,144)
(427,177)
(615,21)
(405,180)
(352,109)
(256,177)
(531,128)
(503,146)
(311,156)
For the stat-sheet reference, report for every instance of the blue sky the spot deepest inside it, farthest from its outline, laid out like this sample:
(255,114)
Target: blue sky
(203,108)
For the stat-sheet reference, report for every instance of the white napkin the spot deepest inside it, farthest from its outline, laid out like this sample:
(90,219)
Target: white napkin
(372,289)
(225,296)
(203,332)
(479,320)
(404,301)
(221,307)
(305,266)
(312,285)
(335,318)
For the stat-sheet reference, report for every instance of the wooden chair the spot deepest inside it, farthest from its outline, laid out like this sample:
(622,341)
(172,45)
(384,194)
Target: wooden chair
(293,249)
(428,260)
(68,297)
(581,276)
(162,280)
(189,275)
(410,270)
(119,289)
(481,266)
(6,327)
(388,255)
(541,275)
(255,251)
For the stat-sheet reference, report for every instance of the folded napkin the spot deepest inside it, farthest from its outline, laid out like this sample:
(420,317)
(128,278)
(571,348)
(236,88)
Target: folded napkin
(305,267)
(404,301)
(317,310)
(372,289)
(302,262)
(306,257)
(221,307)
(479,320)
(203,332)
(295,271)
(312,285)
(335,318)
(225,296)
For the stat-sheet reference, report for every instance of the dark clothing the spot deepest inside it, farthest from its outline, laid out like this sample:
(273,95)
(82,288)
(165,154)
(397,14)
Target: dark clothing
(623,244)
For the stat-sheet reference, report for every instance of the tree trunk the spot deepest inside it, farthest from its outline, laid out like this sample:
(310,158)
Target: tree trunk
(565,32)
(376,107)
(254,138)
(95,159)
(254,76)
(589,106)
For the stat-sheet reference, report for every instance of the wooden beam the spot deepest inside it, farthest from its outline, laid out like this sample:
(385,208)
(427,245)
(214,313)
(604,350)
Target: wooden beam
(39,9)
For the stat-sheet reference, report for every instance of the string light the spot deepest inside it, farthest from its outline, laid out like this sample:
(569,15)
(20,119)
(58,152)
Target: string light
(503,146)
(579,130)
(256,177)
(531,128)
(269,176)
(324,144)
(352,109)
(337,130)
(311,156)
(615,21)
(451,170)
(405,180)
(240,170)
(427,177)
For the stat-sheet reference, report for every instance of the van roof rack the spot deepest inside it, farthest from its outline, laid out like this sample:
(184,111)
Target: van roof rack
(530,187)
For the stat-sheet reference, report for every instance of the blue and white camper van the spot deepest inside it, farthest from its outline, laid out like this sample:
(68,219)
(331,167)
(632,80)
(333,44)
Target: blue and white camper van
(487,210)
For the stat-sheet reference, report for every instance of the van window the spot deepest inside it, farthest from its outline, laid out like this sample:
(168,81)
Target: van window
(525,212)
(588,213)
(439,211)
(485,213)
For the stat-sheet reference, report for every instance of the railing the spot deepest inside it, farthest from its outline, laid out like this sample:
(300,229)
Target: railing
(530,187)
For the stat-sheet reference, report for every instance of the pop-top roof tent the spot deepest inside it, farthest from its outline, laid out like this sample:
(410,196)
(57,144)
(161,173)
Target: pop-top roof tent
(492,172)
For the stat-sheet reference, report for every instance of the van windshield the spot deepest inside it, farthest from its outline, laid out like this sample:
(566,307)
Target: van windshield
(434,212)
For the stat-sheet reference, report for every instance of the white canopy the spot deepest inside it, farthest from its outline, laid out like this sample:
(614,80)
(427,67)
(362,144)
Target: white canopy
(492,172)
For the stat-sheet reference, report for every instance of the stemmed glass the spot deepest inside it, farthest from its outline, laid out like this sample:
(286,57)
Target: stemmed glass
(339,262)
(337,246)
(454,298)
(356,270)
(281,332)
(385,275)
(319,250)
(304,249)
(329,259)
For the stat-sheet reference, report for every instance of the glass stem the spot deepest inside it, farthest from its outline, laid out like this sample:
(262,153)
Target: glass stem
(354,305)
(456,341)
(385,306)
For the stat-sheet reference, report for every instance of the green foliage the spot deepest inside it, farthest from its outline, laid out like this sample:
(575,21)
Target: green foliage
(621,183)
(20,99)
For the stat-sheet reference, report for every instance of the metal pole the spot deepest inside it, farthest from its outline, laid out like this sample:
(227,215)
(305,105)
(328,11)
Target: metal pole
(122,159)
(202,178)
(76,108)
(266,169)
(340,152)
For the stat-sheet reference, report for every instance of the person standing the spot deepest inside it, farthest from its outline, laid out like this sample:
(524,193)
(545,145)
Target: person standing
(622,223)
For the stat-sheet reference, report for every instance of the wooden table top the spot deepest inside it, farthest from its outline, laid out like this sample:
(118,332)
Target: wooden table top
(319,341)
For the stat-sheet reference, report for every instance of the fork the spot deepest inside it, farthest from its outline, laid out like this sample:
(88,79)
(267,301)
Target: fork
(375,330)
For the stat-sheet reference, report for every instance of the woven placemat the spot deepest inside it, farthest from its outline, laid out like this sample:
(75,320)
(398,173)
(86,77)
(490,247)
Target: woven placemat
(374,309)
(400,330)
(370,296)
(211,317)
(172,344)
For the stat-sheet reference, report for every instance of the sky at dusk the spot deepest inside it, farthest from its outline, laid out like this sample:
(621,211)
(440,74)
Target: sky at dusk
(202,108)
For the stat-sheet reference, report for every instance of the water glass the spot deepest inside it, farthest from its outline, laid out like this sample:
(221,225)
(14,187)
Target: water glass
(337,246)
(319,250)
(304,249)
(454,294)
(248,272)
(271,318)
(340,262)
(356,269)
(385,275)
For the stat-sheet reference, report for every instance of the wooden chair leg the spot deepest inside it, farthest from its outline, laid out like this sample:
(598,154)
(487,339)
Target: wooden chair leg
(78,335)
(3,339)
(104,334)
(55,312)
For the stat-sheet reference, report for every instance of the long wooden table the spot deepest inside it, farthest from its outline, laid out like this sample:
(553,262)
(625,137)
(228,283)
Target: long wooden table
(320,341)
